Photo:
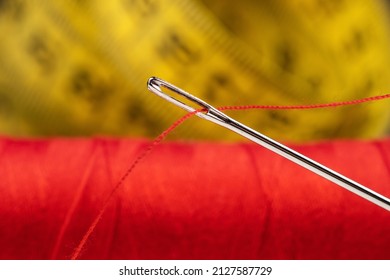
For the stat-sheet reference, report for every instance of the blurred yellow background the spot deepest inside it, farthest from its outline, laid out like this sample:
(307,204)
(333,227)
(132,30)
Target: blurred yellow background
(79,68)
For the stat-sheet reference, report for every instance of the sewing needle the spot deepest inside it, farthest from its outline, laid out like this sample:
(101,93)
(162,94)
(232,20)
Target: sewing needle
(210,113)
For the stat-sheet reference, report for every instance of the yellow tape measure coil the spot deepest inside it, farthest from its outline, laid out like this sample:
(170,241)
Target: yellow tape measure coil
(79,67)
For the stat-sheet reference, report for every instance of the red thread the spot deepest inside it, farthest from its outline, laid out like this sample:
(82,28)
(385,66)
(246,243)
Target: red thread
(165,133)
(306,107)
(147,150)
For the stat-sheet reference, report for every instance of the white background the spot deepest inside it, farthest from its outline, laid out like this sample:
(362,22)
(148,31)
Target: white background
(301,270)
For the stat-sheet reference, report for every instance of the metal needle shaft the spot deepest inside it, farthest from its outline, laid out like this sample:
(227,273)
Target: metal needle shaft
(211,114)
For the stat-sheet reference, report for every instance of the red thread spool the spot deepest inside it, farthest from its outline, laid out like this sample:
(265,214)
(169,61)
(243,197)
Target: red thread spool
(189,201)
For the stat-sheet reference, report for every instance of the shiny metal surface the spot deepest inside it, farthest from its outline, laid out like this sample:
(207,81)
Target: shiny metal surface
(209,113)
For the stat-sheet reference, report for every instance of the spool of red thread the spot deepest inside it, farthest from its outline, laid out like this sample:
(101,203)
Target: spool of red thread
(189,201)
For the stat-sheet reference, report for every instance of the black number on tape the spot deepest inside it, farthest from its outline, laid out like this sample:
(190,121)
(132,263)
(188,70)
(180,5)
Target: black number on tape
(180,50)
(92,89)
(38,47)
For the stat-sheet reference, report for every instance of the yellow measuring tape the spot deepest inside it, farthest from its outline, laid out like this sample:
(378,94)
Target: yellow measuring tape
(79,67)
